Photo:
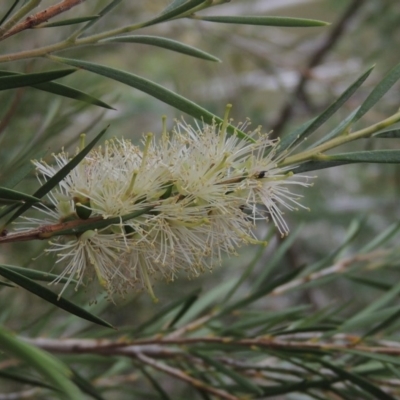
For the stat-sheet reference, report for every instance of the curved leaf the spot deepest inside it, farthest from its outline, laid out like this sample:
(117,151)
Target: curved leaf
(311,126)
(387,82)
(264,20)
(393,133)
(60,175)
(71,21)
(65,91)
(169,13)
(57,373)
(16,81)
(168,44)
(151,88)
(50,296)
(10,194)
(36,275)
(375,156)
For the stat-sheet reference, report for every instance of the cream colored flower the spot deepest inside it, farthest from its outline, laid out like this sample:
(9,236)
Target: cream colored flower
(205,189)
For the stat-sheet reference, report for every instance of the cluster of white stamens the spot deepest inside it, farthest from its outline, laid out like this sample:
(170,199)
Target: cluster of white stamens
(202,189)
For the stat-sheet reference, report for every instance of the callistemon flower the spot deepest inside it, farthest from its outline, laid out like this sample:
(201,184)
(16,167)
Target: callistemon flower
(195,195)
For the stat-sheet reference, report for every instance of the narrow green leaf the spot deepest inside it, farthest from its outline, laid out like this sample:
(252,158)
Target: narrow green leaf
(36,275)
(10,194)
(151,88)
(164,43)
(375,156)
(368,282)
(245,384)
(314,124)
(395,360)
(185,307)
(163,394)
(164,311)
(387,82)
(345,124)
(50,296)
(109,7)
(357,380)
(390,320)
(57,373)
(388,134)
(174,12)
(60,175)
(71,21)
(264,20)
(263,291)
(24,380)
(276,258)
(85,385)
(171,6)
(381,238)
(16,81)
(376,305)
(65,91)
(9,11)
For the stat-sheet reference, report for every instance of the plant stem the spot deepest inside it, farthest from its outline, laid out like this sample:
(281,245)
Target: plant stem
(338,141)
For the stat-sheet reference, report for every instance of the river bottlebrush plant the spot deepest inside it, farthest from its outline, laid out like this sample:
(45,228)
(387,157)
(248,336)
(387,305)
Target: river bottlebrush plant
(309,308)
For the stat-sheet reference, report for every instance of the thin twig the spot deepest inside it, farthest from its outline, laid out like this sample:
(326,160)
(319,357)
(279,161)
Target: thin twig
(41,16)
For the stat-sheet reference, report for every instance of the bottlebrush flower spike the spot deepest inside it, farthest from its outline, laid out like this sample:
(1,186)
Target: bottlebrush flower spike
(205,189)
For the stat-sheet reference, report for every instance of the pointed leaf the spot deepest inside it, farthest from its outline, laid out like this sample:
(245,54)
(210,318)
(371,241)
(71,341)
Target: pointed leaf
(174,12)
(101,14)
(71,21)
(165,44)
(345,124)
(151,88)
(60,175)
(65,91)
(24,380)
(264,20)
(358,380)
(9,11)
(315,123)
(57,373)
(16,81)
(10,194)
(387,82)
(50,296)
(37,275)
(375,156)
(388,134)
(245,384)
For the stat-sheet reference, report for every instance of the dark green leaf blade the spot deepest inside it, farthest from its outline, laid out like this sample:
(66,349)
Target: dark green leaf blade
(109,7)
(65,91)
(375,156)
(387,82)
(60,175)
(245,384)
(315,123)
(174,12)
(8,12)
(36,275)
(16,81)
(264,21)
(388,134)
(11,194)
(151,88)
(164,43)
(57,373)
(71,21)
(24,380)
(50,296)
(357,380)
